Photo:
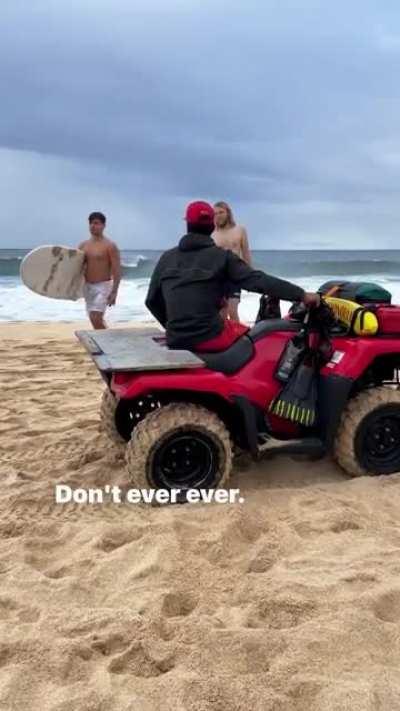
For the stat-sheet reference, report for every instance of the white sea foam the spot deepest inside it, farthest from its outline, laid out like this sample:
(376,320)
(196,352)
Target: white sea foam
(17,303)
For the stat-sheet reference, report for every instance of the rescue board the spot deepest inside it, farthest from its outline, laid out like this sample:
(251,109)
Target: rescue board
(54,271)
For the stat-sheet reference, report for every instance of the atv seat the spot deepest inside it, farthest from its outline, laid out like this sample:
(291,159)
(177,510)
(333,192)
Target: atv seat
(242,350)
(232,359)
(262,328)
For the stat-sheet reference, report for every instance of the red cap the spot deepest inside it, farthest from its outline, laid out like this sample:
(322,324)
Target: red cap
(200,212)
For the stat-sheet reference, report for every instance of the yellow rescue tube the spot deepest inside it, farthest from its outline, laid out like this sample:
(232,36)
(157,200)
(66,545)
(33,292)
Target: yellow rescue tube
(363,322)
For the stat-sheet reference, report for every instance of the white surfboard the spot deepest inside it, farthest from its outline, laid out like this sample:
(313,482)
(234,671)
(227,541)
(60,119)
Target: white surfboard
(54,271)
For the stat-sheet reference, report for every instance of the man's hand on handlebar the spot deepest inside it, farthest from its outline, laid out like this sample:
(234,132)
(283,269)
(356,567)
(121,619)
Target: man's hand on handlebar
(310,299)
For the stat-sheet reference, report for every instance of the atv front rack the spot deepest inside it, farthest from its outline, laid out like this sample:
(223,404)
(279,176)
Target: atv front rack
(116,350)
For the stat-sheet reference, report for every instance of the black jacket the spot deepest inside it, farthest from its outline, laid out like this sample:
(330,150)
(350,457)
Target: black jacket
(189,282)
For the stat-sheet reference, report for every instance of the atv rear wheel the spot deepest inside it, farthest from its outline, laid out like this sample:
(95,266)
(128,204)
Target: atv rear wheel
(368,438)
(179,446)
(108,408)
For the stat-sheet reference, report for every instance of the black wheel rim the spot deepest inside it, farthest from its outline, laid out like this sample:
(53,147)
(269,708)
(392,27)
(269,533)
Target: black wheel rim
(130,412)
(378,440)
(186,460)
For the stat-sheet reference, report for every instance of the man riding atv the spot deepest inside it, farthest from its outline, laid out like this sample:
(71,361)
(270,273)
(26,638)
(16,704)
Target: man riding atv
(314,383)
(188,284)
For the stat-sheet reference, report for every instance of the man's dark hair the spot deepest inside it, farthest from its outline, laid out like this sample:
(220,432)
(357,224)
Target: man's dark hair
(97,216)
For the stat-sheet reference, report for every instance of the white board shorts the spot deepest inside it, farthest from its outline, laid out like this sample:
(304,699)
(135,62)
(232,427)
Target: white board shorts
(96,295)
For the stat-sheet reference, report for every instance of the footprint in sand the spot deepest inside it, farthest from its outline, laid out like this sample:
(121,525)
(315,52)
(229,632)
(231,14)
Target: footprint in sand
(360,582)
(178,604)
(138,661)
(281,614)
(264,558)
(227,617)
(52,570)
(387,606)
(304,693)
(110,644)
(12,611)
(12,529)
(117,537)
(42,553)
(6,654)
(323,522)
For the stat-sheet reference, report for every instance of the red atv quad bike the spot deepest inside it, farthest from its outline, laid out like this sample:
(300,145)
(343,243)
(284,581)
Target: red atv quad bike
(181,417)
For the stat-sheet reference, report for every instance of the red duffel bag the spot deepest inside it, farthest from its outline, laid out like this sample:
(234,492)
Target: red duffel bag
(388,319)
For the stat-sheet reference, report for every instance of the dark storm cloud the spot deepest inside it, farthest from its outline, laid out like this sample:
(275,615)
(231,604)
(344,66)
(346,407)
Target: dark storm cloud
(291,104)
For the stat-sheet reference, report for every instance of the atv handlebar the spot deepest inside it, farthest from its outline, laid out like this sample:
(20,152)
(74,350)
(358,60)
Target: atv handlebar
(312,300)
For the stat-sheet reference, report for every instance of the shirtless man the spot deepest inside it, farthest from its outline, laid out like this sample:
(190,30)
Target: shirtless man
(229,235)
(102,270)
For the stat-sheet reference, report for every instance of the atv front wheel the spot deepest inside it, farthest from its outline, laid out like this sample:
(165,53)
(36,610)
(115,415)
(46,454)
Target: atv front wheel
(179,446)
(368,438)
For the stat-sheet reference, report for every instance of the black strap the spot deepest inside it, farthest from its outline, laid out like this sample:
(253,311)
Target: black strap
(361,310)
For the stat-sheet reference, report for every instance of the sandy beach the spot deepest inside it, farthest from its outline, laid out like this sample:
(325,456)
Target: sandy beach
(287,602)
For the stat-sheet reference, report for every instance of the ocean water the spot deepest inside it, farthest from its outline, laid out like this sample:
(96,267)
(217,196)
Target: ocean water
(309,269)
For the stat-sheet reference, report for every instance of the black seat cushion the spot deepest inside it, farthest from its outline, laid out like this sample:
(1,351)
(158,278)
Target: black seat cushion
(262,328)
(231,360)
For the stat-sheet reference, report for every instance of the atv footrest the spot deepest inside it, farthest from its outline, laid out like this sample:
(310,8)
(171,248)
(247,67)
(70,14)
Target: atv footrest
(311,446)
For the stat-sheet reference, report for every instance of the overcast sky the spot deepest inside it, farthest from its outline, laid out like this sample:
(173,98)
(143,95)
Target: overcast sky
(289,110)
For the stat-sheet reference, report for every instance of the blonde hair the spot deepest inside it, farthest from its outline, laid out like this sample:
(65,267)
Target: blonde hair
(225,206)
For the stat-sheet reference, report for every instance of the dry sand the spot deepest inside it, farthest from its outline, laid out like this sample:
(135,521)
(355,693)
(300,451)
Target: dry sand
(289,602)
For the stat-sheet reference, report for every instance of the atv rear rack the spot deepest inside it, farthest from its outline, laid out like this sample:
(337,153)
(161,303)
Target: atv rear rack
(116,350)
